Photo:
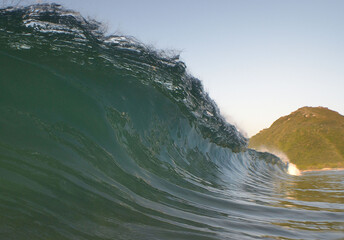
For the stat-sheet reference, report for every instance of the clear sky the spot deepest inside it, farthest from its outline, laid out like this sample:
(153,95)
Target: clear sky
(258,59)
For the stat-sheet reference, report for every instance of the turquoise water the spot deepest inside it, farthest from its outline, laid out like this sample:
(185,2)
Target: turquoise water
(104,138)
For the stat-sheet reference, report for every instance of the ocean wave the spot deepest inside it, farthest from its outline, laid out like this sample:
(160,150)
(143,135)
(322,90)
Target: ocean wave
(103,137)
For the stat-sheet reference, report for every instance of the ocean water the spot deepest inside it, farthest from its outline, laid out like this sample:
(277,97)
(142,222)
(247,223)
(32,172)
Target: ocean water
(102,137)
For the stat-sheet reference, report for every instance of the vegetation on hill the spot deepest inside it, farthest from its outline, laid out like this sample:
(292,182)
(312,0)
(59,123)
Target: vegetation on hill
(311,137)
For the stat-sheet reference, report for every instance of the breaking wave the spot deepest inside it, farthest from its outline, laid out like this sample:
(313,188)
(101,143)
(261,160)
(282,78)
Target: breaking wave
(105,138)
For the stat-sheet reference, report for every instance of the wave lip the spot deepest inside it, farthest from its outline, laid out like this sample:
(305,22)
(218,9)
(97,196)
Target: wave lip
(53,22)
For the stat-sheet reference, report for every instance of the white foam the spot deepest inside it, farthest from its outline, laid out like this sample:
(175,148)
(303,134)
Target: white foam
(293,170)
(291,167)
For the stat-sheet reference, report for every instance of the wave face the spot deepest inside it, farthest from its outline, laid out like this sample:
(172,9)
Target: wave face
(104,138)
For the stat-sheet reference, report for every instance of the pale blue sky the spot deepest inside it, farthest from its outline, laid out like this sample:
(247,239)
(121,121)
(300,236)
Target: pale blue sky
(258,59)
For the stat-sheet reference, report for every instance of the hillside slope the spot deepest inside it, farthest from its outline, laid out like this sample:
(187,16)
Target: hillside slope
(311,137)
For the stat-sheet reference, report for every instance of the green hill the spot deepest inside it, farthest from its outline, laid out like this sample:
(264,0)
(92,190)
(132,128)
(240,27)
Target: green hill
(311,137)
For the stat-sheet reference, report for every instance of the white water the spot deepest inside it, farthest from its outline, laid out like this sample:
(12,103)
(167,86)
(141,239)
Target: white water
(292,168)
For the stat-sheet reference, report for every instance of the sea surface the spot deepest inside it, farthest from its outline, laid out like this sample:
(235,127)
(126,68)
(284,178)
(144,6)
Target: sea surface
(102,137)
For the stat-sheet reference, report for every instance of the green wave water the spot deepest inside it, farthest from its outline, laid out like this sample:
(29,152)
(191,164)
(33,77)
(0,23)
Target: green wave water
(104,138)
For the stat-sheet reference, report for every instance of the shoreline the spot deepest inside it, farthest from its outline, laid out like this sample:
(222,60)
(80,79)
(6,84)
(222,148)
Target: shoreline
(323,169)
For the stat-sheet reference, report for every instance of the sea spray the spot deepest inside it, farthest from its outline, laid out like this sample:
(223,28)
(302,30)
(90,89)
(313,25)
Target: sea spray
(291,167)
